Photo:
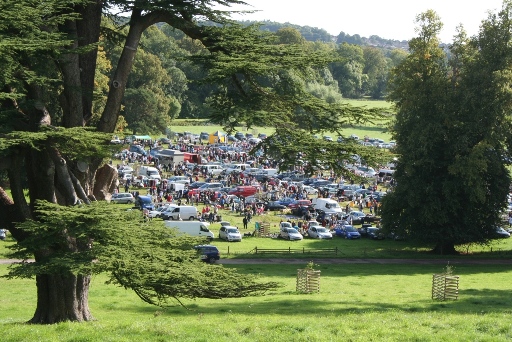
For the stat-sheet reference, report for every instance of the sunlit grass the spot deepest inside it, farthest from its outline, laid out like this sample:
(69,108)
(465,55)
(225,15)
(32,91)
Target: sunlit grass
(356,302)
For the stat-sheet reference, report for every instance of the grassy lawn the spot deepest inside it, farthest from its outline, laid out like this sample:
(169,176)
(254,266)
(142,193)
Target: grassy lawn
(375,130)
(355,303)
(347,249)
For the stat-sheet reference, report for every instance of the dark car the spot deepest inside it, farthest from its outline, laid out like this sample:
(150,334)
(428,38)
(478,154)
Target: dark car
(303,210)
(164,141)
(375,233)
(320,183)
(286,201)
(144,202)
(196,185)
(274,206)
(239,136)
(204,136)
(137,149)
(209,253)
(347,232)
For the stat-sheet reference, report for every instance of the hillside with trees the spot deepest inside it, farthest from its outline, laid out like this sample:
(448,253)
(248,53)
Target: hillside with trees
(166,83)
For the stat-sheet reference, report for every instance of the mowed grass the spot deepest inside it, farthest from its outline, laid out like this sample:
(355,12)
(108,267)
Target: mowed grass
(346,249)
(355,303)
(374,130)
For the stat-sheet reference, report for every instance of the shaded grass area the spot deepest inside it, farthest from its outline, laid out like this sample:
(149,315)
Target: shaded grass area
(356,302)
(347,249)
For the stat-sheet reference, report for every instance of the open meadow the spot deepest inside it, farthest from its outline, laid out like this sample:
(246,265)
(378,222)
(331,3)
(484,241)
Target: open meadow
(375,130)
(356,303)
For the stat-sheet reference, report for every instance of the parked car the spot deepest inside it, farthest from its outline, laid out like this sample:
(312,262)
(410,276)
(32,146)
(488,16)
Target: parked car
(208,253)
(157,212)
(230,233)
(357,216)
(179,179)
(239,136)
(290,233)
(303,210)
(124,170)
(347,232)
(243,191)
(127,176)
(274,206)
(138,149)
(319,232)
(375,233)
(123,197)
(254,140)
(313,223)
(144,202)
(204,136)
(310,190)
(502,233)
(196,185)
(299,203)
(286,201)
(210,187)
(164,140)
(320,183)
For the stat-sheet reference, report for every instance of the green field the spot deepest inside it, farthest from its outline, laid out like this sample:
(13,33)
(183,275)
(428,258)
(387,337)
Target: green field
(376,130)
(355,303)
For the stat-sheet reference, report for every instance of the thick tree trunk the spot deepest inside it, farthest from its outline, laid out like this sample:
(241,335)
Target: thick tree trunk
(445,248)
(117,87)
(62,298)
(106,182)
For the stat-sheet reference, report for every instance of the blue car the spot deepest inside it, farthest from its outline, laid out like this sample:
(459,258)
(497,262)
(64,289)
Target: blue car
(286,201)
(144,202)
(347,232)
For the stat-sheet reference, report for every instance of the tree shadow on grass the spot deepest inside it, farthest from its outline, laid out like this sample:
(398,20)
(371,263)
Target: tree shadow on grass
(367,269)
(469,302)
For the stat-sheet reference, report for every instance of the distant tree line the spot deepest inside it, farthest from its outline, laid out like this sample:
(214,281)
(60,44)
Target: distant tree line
(165,82)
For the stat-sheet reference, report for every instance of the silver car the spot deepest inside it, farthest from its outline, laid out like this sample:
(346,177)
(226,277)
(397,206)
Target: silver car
(319,233)
(289,233)
(230,233)
(123,197)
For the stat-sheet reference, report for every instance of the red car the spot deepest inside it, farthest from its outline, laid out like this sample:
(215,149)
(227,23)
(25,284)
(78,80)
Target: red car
(299,203)
(243,191)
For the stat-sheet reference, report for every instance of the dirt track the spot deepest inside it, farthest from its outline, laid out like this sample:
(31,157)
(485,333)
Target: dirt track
(369,261)
(276,261)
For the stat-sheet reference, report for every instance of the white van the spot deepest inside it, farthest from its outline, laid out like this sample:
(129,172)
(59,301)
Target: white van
(192,228)
(213,169)
(184,212)
(237,167)
(328,205)
(150,172)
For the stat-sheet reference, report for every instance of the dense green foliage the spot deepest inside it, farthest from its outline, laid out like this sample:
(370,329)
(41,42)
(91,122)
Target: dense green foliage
(453,132)
(140,255)
(164,83)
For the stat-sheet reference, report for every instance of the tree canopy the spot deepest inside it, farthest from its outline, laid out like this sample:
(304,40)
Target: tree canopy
(452,131)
